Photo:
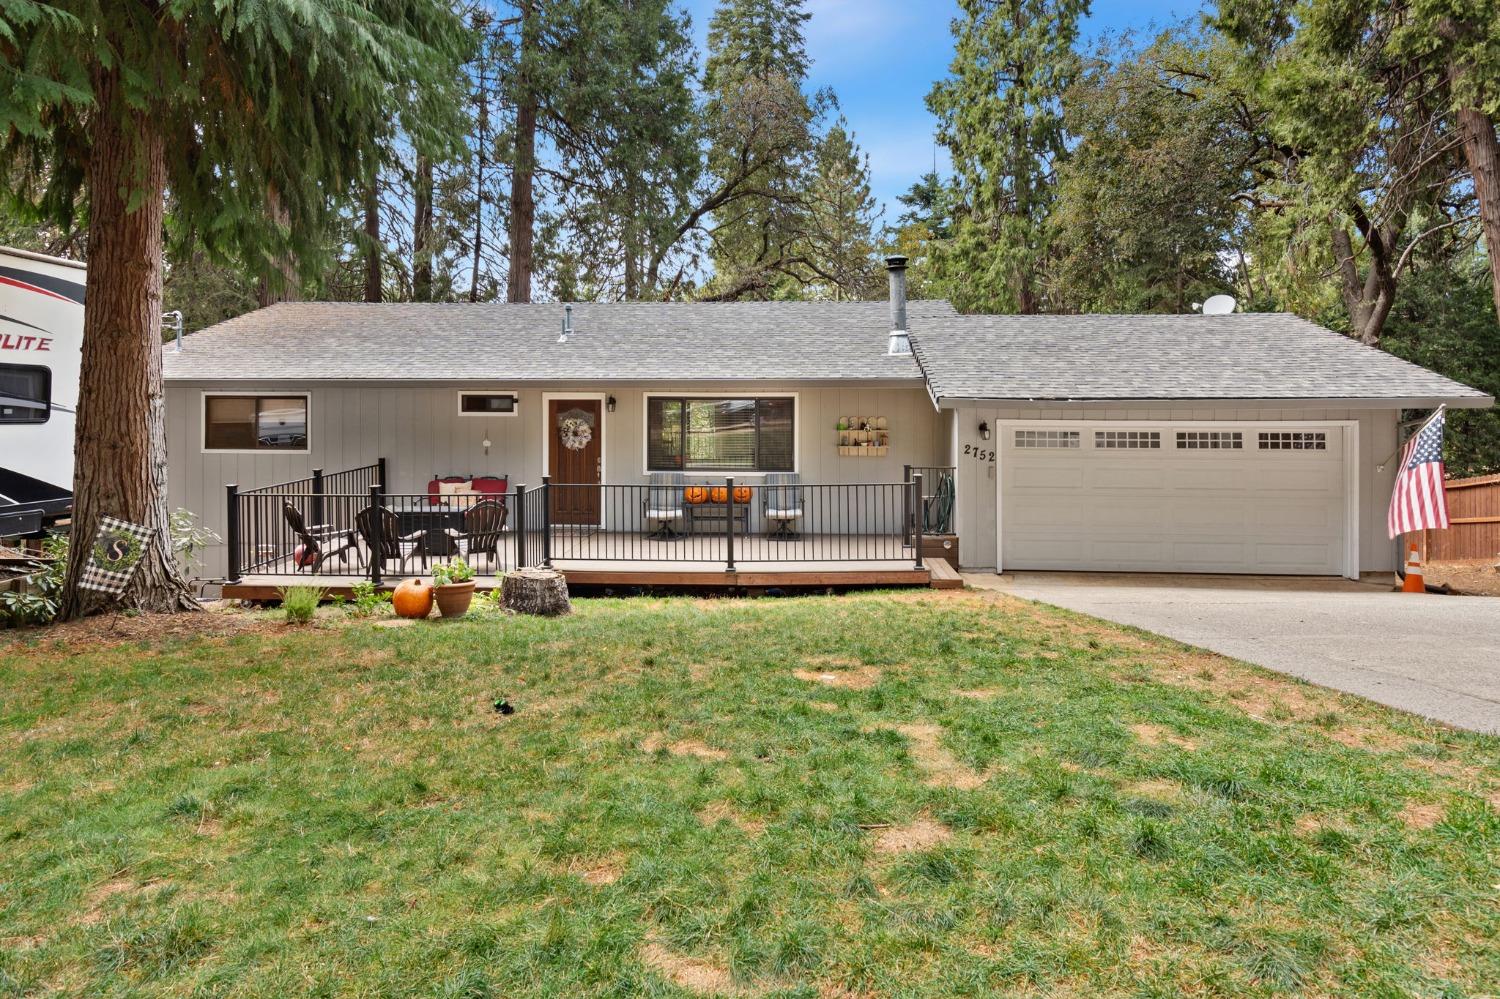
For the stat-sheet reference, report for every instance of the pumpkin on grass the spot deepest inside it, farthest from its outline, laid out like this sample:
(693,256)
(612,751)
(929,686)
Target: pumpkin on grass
(413,598)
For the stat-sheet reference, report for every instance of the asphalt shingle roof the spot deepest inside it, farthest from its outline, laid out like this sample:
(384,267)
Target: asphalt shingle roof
(1106,357)
(832,341)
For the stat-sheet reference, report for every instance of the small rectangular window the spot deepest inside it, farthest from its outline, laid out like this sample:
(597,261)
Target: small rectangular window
(1127,440)
(488,403)
(1047,438)
(255,423)
(25,394)
(1210,440)
(1293,440)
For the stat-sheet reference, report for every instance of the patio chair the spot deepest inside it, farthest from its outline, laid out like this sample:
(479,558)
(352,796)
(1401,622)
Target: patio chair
(317,543)
(782,503)
(664,505)
(393,544)
(483,523)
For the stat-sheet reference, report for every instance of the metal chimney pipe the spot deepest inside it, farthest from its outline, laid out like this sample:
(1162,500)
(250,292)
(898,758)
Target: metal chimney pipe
(895,267)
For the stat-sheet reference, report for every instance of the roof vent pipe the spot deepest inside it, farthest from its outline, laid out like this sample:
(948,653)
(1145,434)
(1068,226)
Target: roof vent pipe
(895,267)
(567,323)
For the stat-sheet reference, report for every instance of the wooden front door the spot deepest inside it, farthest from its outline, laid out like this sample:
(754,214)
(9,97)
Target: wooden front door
(575,459)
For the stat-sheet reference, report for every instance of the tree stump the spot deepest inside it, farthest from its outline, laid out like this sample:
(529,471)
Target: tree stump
(535,591)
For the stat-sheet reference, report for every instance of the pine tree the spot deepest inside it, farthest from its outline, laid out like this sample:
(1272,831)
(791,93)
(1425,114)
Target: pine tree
(762,134)
(840,240)
(1000,115)
(222,102)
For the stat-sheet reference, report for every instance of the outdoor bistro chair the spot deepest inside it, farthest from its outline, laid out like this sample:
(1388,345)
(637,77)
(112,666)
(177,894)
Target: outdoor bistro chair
(782,503)
(393,544)
(317,543)
(664,505)
(483,523)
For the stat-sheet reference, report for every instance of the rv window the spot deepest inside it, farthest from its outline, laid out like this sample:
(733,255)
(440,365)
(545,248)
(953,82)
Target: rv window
(254,423)
(25,394)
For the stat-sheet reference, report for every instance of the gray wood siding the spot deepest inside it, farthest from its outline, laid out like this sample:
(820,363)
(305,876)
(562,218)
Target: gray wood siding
(420,433)
(976,480)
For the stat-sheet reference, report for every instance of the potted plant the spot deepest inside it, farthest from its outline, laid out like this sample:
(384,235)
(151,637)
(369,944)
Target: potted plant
(454,587)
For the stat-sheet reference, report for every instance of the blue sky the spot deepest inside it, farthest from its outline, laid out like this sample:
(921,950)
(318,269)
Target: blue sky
(882,56)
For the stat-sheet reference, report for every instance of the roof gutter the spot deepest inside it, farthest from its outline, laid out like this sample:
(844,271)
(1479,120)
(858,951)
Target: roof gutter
(1390,402)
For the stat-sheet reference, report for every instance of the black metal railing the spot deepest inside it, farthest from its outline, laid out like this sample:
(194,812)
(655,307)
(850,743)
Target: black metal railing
(939,497)
(721,523)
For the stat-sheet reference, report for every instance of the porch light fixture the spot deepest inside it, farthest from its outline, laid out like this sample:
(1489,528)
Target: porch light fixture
(984,430)
(486,445)
(609,404)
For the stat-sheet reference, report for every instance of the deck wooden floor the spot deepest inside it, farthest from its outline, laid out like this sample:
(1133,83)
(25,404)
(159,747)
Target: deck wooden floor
(937,574)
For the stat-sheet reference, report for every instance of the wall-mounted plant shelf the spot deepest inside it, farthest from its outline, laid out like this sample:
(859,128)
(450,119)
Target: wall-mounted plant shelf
(863,437)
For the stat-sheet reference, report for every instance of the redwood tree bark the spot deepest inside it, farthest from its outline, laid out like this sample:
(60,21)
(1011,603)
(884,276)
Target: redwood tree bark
(287,289)
(523,177)
(121,450)
(421,232)
(372,236)
(1482,150)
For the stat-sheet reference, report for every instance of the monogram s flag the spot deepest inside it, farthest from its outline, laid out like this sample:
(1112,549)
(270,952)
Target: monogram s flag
(1419,501)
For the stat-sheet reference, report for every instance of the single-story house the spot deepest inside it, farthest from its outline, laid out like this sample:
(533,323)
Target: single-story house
(1247,443)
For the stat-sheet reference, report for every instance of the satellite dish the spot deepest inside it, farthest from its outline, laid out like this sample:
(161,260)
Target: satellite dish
(1219,305)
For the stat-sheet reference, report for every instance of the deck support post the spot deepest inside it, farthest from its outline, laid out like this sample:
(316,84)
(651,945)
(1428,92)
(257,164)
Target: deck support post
(380,472)
(521,526)
(232,532)
(377,501)
(547,521)
(915,492)
(906,503)
(729,522)
(317,497)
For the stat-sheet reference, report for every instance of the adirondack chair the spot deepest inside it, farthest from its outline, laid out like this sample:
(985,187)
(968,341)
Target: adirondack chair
(663,507)
(318,543)
(483,523)
(392,543)
(782,503)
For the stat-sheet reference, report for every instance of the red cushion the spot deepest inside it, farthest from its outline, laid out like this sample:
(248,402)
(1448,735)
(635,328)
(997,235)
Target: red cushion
(491,484)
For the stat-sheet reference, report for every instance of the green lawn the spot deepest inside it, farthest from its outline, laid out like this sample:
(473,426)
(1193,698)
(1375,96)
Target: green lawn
(883,794)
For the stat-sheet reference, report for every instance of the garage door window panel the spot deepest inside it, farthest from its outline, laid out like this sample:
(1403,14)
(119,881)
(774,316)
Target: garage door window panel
(1293,440)
(1210,440)
(1048,439)
(1127,440)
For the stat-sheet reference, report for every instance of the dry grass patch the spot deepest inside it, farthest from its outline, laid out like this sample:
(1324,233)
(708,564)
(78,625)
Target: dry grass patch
(692,974)
(1156,735)
(722,811)
(851,678)
(599,871)
(920,834)
(1156,790)
(940,767)
(977,695)
(1422,814)
(683,747)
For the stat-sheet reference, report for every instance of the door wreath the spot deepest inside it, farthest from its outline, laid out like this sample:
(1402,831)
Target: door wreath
(575,434)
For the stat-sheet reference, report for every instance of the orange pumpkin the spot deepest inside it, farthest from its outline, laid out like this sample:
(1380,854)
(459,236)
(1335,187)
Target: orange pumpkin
(695,494)
(742,494)
(413,598)
(719,494)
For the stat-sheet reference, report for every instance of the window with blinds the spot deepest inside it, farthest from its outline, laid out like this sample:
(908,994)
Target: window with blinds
(719,435)
(254,423)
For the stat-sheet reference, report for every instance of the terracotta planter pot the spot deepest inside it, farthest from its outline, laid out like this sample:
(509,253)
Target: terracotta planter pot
(453,600)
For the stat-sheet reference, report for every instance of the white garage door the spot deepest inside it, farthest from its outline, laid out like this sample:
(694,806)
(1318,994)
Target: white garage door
(1266,498)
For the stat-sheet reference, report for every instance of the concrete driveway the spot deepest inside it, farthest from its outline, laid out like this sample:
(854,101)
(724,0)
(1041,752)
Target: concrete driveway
(1433,655)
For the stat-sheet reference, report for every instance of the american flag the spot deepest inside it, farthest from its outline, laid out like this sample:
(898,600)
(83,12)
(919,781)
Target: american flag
(1419,500)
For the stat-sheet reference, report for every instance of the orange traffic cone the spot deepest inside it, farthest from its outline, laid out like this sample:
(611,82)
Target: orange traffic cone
(1413,582)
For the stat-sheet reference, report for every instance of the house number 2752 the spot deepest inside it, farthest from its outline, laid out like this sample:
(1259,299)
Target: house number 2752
(979,452)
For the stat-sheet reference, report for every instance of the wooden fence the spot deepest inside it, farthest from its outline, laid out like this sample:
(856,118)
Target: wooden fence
(1474,512)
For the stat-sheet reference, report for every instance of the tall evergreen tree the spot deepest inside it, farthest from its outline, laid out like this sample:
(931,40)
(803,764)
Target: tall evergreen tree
(1000,115)
(221,102)
(839,233)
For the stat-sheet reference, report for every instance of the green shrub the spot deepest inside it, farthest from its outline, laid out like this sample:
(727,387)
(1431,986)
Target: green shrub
(367,599)
(300,603)
(44,599)
(455,571)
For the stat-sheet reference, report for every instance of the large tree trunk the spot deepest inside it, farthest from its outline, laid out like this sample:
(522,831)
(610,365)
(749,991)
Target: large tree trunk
(421,239)
(523,176)
(121,451)
(1482,150)
(284,287)
(481,148)
(373,246)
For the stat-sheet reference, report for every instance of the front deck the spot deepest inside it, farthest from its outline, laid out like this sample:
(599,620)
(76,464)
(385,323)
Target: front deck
(743,537)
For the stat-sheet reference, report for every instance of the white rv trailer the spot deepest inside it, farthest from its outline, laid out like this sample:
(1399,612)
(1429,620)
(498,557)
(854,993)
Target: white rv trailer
(41,343)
